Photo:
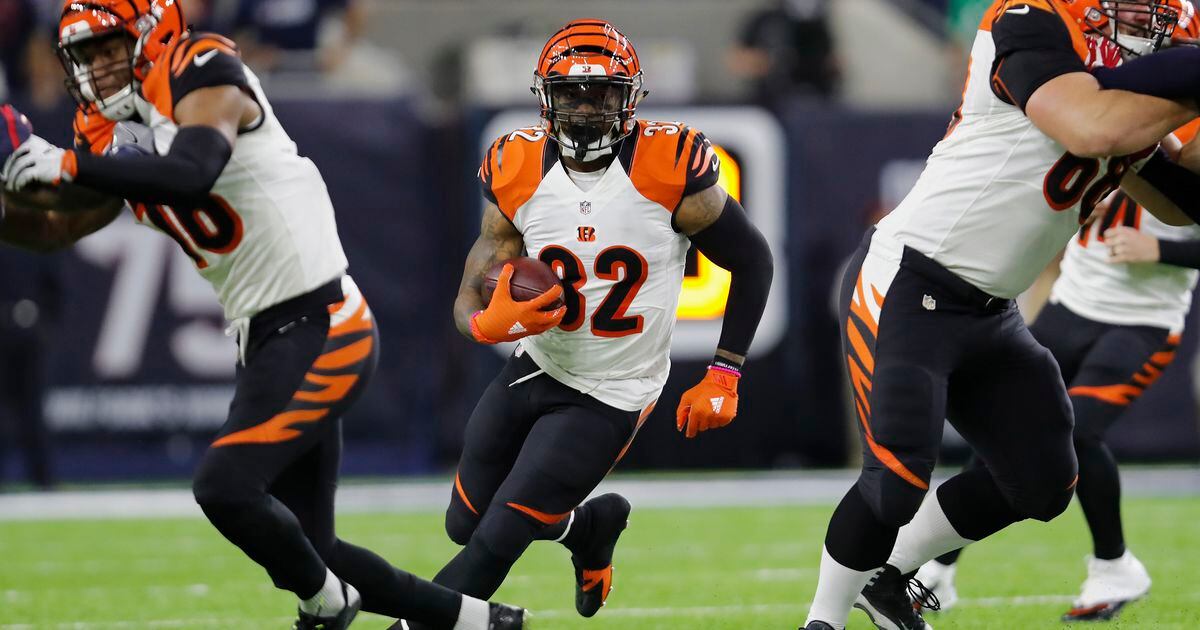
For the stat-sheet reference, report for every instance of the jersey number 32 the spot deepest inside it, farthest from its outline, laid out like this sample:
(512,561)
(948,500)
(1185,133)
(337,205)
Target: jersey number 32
(609,319)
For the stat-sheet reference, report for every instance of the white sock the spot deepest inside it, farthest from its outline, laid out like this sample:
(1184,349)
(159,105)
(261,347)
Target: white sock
(472,615)
(328,601)
(928,535)
(837,588)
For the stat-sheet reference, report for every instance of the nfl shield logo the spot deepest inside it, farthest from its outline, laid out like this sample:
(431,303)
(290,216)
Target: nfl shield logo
(585,207)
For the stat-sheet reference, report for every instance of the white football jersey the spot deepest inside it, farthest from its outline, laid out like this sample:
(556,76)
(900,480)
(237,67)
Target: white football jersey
(1131,294)
(998,198)
(267,232)
(614,245)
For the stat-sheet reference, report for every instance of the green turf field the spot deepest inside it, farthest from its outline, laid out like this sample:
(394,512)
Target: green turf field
(730,568)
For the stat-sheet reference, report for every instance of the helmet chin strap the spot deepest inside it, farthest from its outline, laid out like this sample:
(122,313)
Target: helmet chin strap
(116,107)
(584,154)
(1133,46)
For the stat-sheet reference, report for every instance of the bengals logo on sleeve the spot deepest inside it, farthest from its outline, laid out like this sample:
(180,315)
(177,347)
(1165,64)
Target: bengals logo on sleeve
(668,161)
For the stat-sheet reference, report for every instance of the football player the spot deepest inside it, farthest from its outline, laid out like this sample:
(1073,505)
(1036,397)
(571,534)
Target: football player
(612,204)
(217,173)
(930,330)
(1113,324)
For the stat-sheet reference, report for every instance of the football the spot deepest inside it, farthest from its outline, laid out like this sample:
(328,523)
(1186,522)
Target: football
(531,278)
(15,129)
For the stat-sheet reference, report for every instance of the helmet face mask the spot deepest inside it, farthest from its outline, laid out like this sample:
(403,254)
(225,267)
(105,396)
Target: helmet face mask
(1136,27)
(100,70)
(587,115)
(107,48)
(589,83)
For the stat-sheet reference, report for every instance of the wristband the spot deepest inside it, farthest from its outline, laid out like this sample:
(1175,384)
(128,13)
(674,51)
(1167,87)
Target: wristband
(721,364)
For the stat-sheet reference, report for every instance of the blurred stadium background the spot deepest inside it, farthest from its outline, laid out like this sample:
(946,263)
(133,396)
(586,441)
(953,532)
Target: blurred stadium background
(827,108)
(115,365)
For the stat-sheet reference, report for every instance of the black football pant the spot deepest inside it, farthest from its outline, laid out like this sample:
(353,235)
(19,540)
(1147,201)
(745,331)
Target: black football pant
(923,345)
(268,480)
(1107,367)
(533,451)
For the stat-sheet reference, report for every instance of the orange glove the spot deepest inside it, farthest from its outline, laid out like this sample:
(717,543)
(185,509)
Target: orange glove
(505,319)
(710,405)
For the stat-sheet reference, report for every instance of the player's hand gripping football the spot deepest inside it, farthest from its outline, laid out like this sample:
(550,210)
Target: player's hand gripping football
(37,161)
(506,319)
(711,404)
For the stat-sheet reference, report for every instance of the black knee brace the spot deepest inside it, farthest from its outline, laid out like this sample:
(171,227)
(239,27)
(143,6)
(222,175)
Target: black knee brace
(893,500)
(220,478)
(1044,505)
(506,532)
(460,523)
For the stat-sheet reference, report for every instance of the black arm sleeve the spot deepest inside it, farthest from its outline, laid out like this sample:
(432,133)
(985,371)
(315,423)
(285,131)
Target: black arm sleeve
(185,174)
(737,246)
(1031,49)
(1175,182)
(1179,253)
(1172,74)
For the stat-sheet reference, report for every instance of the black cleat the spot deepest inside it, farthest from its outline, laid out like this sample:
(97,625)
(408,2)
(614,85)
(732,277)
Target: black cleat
(505,617)
(593,564)
(500,617)
(893,601)
(817,625)
(340,621)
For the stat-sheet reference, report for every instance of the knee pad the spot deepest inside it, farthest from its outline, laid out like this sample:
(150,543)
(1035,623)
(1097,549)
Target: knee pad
(893,500)
(460,523)
(220,479)
(1045,501)
(1047,505)
(505,532)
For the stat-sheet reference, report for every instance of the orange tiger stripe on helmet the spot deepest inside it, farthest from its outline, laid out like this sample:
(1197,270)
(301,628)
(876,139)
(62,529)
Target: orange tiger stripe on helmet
(592,42)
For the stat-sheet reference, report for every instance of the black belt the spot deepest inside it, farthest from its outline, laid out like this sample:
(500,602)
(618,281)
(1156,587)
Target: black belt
(288,310)
(958,288)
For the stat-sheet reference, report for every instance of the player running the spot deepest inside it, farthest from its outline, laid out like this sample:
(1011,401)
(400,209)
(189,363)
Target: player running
(1113,324)
(216,172)
(612,204)
(930,329)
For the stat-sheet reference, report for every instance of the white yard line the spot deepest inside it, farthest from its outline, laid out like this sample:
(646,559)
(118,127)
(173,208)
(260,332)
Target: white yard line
(706,490)
(558,613)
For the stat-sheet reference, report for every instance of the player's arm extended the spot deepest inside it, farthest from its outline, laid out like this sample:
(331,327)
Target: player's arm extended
(718,226)
(209,119)
(1166,190)
(498,240)
(1090,121)
(50,230)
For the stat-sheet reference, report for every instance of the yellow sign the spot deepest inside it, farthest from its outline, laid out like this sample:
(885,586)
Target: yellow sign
(704,294)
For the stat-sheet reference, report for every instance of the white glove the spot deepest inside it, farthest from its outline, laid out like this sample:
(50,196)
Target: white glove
(35,161)
(129,136)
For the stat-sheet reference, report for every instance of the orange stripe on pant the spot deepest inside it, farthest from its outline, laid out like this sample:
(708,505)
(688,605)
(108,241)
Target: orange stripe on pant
(336,386)
(542,517)
(1111,394)
(860,379)
(462,494)
(637,427)
(277,429)
(1125,393)
(347,356)
(316,404)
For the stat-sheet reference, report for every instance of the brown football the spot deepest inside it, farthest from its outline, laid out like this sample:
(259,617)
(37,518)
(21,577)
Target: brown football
(33,198)
(531,278)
